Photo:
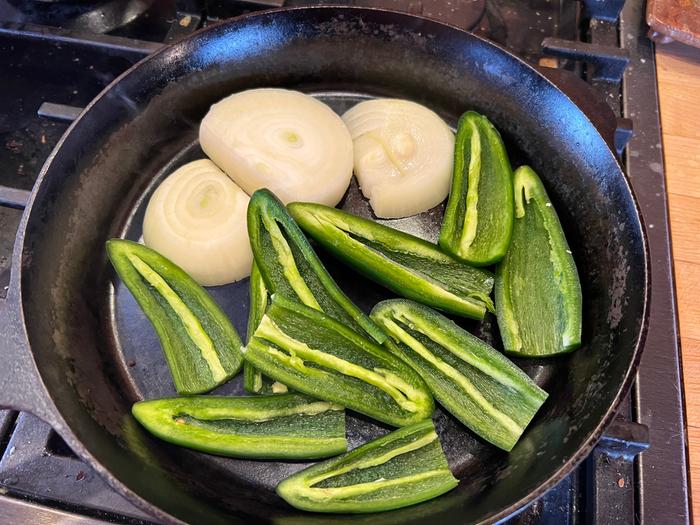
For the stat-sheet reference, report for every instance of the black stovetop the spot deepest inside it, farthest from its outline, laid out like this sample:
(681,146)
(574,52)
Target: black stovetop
(57,55)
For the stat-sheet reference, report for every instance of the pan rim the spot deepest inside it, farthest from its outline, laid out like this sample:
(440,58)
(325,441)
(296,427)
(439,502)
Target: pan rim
(15,288)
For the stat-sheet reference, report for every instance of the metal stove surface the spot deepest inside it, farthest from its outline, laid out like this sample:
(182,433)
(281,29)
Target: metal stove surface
(56,58)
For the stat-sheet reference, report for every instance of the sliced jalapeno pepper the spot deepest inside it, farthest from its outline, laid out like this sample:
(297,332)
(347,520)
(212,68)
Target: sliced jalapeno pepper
(200,344)
(407,265)
(475,382)
(538,293)
(315,354)
(402,468)
(288,426)
(253,380)
(289,265)
(478,219)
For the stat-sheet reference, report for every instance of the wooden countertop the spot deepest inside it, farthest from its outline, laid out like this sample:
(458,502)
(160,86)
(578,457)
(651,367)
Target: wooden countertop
(678,70)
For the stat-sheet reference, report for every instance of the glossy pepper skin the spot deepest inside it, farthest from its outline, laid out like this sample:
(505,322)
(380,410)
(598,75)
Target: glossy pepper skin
(314,354)
(476,383)
(399,469)
(478,220)
(538,293)
(289,265)
(283,427)
(200,344)
(407,265)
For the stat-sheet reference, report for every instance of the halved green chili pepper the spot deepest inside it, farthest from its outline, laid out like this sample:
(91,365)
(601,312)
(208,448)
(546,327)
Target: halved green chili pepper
(478,219)
(289,265)
(409,266)
(253,380)
(315,354)
(399,469)
(538,293)
(287,426)
(200,344)
(475,382)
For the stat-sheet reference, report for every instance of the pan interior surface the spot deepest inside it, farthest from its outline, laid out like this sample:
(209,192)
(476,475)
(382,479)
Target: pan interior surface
(97,353)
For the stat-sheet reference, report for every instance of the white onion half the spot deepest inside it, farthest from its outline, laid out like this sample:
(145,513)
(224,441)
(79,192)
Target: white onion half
(403,155)
(282,140)
(197,219)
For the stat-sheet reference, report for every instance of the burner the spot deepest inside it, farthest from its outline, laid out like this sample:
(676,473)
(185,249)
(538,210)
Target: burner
(93,16)
(465,14)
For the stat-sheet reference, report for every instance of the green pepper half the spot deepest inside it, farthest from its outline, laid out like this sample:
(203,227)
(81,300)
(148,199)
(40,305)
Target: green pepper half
(315,354)
(287,426)
(399,469)
(478,219)
(253,380)
(538,293)
(200,344)
(407,265)
(289,265)
(475,382)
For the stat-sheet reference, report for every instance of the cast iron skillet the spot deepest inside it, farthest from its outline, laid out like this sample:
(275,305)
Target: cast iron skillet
(78,352)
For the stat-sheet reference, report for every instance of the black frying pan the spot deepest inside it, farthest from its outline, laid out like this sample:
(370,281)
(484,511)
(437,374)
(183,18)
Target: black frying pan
(78,352)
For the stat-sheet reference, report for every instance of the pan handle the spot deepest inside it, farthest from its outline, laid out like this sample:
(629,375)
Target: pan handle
(21,387)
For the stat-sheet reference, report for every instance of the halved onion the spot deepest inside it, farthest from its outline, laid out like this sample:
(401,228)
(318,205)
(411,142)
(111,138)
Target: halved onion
(403,155)
(282,140)
(197,219)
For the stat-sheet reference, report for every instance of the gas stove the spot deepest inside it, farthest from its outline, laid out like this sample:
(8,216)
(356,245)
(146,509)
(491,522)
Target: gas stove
(57,55)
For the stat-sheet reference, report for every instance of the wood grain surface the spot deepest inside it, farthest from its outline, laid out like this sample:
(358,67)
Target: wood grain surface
(678,70)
